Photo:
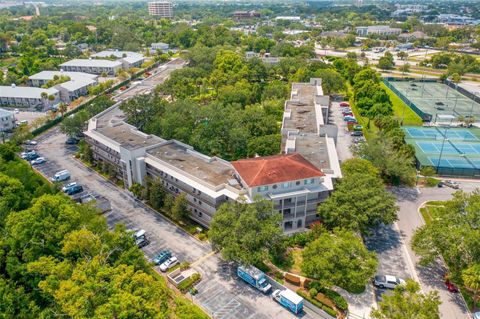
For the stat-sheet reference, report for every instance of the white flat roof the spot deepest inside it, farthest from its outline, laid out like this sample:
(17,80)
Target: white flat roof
(76,84)
(293,297)
(117,54)
(4,113)
(48,75)
(25,92)
(92,63)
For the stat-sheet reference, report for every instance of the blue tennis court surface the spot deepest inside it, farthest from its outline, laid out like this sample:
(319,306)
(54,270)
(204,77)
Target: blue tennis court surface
(438,133)
(452,151)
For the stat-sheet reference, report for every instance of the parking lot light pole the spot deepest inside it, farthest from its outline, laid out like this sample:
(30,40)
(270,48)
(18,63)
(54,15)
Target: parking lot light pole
(441,150)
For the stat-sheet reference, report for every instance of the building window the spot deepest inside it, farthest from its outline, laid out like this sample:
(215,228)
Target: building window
(195,200)
(274,186)
(297,183)
(309,181)
(199,193)
(299,223)
(200,214)
(199,203)
(286,185)
(262,188)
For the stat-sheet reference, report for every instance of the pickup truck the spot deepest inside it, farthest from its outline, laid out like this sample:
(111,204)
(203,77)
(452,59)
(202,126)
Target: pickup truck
(254,277)
(289,300)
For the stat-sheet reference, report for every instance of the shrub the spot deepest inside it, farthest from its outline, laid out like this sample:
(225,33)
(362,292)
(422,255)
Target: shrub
(313,292)
(334,296)
(184,265)
(189,282)
(202,236)
(317,303)
(431,182)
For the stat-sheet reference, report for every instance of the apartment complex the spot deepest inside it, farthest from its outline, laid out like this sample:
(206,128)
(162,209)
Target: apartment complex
(69,90)
(22,96)
(129,59)
(93,66)
(161,9)
(380,30)
(7,120)
(297,180)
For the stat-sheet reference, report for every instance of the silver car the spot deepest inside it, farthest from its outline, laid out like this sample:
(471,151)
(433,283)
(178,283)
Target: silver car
(387,281)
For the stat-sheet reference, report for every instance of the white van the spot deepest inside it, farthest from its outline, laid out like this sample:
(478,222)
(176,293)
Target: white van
(61,176)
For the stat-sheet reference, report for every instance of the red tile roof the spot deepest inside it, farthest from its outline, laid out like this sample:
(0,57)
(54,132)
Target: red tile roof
(275,169)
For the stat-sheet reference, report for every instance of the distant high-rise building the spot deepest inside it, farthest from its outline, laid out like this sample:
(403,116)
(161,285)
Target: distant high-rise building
(161,9)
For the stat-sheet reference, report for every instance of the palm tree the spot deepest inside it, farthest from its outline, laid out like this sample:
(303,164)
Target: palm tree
(471,280)
(44,95)
(62,108)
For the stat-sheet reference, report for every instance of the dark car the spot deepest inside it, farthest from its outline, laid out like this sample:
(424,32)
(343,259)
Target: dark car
(32,156)
(142,241)
(71,141)
(162,257)
(356,133)
(74,190)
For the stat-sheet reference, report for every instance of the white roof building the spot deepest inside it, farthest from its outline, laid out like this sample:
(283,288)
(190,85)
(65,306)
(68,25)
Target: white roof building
(25,92)
(92,63)
(128,58)
(49,75)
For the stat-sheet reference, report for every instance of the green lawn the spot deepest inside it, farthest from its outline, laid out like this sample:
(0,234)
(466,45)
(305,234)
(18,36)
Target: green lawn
(410,117)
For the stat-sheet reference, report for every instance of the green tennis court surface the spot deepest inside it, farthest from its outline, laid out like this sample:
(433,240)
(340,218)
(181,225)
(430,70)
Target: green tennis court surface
(430,99)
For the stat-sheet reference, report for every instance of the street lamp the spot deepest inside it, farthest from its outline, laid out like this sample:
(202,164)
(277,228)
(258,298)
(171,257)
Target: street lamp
(441,150)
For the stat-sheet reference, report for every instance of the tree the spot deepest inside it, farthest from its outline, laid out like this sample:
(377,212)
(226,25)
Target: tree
(385,63)
(180,207)
(359,202)
(155,193)
(453,233)
(62,108)
(408,302)
(402,55)
(339,258)
(44,95)
(471,280)
(74,124)
(332,81)
(393,158)
(246,233)
(13,196)
(405,68)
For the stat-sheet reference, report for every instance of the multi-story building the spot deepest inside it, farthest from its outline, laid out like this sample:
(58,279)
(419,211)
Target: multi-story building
(94,66)
(161,9)
(7,120)
(129,59)
(297,181)
(380,30)
(22,96)
(44,77)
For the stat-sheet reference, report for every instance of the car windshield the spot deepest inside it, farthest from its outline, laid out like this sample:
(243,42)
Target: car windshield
(398,281)
(263,283)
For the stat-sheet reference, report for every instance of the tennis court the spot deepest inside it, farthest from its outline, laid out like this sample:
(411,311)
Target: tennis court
(430,99)
(451,151)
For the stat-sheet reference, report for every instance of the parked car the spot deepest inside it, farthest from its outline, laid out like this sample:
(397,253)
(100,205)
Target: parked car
(343,104)
(451,184)
(31,156)
(162,257)
(67,186)
(31,142)
(387,281)
(61,176)
(38,161)
(74,190)
(352,122)
(141,239)
(358,128)
(16,111)
(348,114)
(172,261)
(71,141)
(26,154)
(476,315)
(349,118)
(356,133)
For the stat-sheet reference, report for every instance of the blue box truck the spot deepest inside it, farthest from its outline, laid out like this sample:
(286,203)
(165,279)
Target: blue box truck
(289,300)
(254,277)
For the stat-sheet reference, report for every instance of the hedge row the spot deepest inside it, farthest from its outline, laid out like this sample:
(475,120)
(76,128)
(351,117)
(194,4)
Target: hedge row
(317,303)
(189,282)
(334,296)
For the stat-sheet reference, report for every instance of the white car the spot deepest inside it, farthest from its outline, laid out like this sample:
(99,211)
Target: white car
(69,185)
(476,315)
(387,281)
(39,160)
(169,264)
(31,142)
(16,111)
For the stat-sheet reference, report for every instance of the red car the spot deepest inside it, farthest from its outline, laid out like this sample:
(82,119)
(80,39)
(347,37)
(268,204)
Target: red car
(352,122)
(347,114)
(450,285)
(343,104)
